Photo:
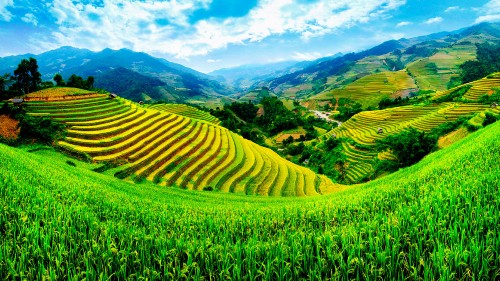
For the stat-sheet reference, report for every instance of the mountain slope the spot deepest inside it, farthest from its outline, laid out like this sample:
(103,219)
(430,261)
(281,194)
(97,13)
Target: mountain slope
(431,60)
(179,83)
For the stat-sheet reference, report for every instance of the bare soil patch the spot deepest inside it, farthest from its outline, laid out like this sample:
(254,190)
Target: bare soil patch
(285,136)
(8,127)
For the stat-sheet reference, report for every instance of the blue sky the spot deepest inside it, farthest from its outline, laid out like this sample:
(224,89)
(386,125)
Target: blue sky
(212,34)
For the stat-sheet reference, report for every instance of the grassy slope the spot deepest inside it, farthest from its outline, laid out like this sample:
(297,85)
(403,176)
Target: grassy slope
(435,220)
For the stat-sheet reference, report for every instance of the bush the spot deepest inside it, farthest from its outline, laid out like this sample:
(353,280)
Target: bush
(471,127)
(71,163)
(41,129)
(409,146)
(490,119)
(208,188)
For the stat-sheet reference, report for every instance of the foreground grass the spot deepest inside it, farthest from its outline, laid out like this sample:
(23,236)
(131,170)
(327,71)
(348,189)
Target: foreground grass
(436,220)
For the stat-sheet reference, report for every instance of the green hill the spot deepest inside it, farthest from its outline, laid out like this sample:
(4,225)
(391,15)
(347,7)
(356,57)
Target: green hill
(435,220)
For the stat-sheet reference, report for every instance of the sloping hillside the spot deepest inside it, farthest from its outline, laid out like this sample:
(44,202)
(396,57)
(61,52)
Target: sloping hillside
(430,60)
(174,150)
(435,220)
(361,131)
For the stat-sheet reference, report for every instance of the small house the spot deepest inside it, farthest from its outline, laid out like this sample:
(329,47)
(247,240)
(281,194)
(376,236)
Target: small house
(380,130)
(141,102)
(113,96)
(494,105)
(18,101)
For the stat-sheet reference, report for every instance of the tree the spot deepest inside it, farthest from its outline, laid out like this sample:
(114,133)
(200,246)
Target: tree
(59,80)
(26,76)
(76,81)
(409,146)
(90,82)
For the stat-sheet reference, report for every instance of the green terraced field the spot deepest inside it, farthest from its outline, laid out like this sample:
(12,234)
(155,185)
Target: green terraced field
(187,111)
(363,127)
(447,61)
(157,144)
(369,90)
(485,86)
(436,220)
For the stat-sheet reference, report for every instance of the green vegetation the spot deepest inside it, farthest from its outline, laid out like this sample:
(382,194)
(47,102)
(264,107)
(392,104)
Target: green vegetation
(275,118)
(488,61)
(409,146)
(435,220)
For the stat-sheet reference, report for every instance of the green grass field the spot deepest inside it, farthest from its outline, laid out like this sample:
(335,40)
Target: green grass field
(435,220)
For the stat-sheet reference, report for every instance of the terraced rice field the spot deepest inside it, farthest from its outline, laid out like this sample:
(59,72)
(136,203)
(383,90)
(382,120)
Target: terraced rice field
(369,90)
(447,61)
(364,127)
(187,111)
(174,150)
(59,92)
(485,86)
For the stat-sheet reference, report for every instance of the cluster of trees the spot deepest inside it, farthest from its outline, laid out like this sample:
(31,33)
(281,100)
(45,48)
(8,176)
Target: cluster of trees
(347,108)
(326,158)
(241,117)
(75,81)
(488,61)
(388,102)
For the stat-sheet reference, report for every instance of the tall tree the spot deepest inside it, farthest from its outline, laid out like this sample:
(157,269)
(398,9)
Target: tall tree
(90,82)
(59,80)
(26,76)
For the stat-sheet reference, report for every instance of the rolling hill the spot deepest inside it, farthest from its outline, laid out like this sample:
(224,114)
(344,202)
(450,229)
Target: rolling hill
(435,220)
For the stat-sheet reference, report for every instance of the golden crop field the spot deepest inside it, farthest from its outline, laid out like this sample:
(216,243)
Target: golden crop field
(187,111)
(369,90)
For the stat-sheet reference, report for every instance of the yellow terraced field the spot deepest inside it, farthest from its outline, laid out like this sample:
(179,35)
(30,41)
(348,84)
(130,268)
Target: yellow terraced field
(156,144)
(369,90)
(187,111)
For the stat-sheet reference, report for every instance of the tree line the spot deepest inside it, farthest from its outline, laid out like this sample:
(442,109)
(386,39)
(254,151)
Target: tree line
(27,79)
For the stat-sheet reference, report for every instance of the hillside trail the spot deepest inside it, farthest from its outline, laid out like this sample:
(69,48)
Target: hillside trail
(325,116)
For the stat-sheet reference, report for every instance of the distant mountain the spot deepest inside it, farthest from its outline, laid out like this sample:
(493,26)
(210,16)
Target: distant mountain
(161,79)
(249,76)
(330,73)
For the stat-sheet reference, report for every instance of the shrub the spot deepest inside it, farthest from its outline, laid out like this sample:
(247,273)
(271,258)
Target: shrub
(208,188)
(409,146)
(489,119)
(42,129)
(71,163)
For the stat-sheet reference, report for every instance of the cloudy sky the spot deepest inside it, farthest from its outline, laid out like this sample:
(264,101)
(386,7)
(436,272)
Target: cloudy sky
(211,34)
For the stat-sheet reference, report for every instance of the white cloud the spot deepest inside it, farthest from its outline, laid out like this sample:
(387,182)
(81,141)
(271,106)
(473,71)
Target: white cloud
(452,9)
(403,23)
(30,18)
(4,13)
(213,60)
(132,24)
(489,12)
(434,20)
(306,56)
